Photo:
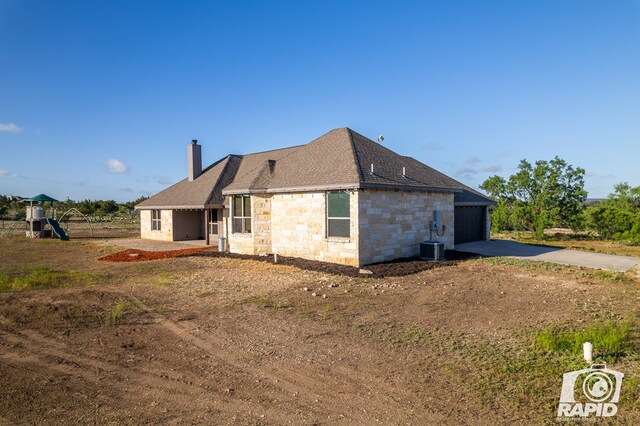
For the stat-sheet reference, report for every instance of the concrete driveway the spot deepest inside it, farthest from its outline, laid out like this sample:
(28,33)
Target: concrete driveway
(550,254)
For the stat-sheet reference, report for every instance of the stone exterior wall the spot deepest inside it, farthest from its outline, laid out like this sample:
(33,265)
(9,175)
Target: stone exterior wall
(298,228)
(295,225)
(166,226)
(393,223)
(384,225)
(241,243)
(261,223)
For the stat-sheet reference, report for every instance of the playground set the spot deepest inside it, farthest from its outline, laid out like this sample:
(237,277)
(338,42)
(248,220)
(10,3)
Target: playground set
(39,224)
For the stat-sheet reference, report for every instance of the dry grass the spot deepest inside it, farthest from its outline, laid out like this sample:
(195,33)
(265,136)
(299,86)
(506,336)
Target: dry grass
(573,241)
(491,336)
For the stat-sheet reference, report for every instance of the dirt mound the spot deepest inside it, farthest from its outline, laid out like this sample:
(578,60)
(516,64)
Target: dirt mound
(134,255)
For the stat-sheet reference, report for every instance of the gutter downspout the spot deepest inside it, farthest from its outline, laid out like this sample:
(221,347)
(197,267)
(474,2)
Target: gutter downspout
(206,227)
(226,219)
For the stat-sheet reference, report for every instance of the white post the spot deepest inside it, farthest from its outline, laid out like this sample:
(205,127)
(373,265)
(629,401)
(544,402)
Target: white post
(587,347)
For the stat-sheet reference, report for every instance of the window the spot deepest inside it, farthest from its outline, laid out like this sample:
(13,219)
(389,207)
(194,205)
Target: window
(213,221)
(338,214)
(242,214)
(156,221)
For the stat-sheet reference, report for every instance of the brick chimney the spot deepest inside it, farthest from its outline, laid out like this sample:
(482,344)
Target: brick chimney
(194,159)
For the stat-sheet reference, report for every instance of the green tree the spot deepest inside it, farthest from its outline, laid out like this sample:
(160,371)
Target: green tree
(4,207)
(501,217)
(539,196)
(617,217)
(131,204)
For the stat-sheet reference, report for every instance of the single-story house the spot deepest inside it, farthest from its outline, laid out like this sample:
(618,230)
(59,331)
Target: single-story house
(340,198)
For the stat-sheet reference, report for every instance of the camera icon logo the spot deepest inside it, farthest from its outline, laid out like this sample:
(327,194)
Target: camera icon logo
(600,388)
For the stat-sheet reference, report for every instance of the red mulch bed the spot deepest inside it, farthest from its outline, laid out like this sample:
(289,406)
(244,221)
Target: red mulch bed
(133,255)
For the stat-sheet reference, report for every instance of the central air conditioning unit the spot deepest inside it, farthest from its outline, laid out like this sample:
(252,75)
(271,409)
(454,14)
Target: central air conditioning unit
(431,250)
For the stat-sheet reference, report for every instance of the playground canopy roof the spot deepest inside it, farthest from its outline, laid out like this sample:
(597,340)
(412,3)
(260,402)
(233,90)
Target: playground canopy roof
(38,198)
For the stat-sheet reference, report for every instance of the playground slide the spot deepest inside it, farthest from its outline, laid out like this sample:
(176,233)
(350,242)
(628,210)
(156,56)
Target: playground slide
(57,229)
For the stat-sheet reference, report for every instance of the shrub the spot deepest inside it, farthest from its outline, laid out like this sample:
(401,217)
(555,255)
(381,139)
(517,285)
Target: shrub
(118,310)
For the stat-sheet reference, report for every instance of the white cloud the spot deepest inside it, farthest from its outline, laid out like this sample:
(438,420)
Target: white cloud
(8,174)
(466,171)
(492,168)
(126,189)
(10,127)
(163,181)
(115,166)
(598,175)
(472,160)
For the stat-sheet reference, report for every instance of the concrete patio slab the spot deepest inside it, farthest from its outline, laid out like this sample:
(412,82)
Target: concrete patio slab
(514,249)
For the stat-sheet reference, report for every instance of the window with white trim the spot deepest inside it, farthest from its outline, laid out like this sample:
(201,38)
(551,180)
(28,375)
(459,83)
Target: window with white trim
(338,214)
(241,211)
(156,220)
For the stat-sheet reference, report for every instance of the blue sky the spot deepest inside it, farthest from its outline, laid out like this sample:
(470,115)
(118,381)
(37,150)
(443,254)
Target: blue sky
(98,99)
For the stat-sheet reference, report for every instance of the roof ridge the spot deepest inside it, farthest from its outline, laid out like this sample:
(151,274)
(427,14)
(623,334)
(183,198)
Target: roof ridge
(224,169)
(355,154)
(268,150)
(210,166)
(255,180)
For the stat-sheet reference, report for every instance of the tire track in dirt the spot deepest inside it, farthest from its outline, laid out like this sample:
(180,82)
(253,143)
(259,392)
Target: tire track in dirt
(42,355)
(355,407)
(338,373)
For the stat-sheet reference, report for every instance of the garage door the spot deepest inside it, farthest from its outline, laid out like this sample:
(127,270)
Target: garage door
(469,224)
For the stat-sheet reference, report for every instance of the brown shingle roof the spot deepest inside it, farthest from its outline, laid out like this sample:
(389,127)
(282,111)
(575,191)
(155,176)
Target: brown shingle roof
(200,192)
(252,168)
(339,159)
(327,161)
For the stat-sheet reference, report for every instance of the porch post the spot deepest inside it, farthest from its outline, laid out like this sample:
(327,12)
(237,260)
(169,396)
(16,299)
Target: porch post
(206,226)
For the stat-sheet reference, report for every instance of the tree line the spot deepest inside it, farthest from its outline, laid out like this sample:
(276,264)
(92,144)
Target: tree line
(11,207)
(551,194)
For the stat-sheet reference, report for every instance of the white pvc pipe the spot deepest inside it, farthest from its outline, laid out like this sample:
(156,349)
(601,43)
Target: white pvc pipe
(587,347)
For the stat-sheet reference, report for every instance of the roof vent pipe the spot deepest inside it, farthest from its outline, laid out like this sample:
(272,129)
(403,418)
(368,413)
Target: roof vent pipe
(194,160)
(372,168)
(404,172)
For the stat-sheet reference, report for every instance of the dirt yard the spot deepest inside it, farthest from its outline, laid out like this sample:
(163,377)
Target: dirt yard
(214,340)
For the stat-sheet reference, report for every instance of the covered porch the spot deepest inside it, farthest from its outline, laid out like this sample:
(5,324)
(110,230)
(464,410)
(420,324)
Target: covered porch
(197,225)
(182,224)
